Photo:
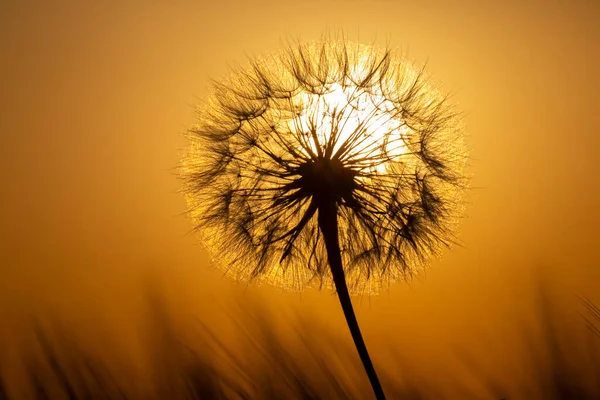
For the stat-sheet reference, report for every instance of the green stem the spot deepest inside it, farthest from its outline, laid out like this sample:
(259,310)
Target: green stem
(329,228)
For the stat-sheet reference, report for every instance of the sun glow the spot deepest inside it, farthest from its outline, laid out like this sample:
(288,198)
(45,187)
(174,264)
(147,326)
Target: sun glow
(362,126)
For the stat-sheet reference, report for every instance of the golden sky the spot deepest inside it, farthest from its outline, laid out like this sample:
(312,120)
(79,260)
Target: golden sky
(96,98)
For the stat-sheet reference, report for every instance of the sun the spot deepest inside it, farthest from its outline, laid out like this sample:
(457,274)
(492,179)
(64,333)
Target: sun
(364,127)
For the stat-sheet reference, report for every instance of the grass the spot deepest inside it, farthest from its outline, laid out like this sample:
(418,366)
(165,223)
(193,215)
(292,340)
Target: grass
(269,368)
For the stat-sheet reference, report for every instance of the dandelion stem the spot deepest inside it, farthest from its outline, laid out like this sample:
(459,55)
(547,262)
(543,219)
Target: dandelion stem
(329,228)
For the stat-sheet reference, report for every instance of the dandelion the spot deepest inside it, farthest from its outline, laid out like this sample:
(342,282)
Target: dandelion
(327,164)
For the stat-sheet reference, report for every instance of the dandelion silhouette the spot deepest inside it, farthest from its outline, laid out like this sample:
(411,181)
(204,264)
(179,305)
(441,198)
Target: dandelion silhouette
(327,164)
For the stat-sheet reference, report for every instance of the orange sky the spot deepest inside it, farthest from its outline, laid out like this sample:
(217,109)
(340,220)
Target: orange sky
(95,99)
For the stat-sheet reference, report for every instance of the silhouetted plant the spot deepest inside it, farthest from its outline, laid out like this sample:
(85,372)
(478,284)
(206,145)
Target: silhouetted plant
(3,394)
(267,370)
(67,369)
(331,137)
(592,318)
(556,368)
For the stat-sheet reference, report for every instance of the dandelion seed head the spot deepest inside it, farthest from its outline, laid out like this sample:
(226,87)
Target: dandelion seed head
(333,120)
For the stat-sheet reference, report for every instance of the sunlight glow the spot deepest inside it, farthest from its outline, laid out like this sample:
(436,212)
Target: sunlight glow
(364,122)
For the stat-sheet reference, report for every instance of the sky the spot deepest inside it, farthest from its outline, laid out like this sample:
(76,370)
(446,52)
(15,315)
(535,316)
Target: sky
(97,96)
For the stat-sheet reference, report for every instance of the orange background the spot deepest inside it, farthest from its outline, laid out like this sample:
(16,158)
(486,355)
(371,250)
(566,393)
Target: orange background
(96,98)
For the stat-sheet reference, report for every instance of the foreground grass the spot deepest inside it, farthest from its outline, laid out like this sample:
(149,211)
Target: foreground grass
(269,370)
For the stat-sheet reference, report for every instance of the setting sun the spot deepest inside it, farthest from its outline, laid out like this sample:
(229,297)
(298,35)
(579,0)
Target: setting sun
(361,123)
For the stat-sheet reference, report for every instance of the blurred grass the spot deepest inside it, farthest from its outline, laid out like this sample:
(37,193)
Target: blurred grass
(268,368)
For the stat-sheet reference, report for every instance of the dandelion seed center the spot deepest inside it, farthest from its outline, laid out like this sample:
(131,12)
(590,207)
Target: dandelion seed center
(326,179)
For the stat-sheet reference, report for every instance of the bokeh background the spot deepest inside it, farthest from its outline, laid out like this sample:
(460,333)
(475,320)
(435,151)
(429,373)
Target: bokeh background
(96,97)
